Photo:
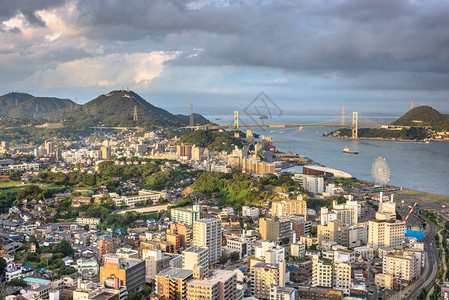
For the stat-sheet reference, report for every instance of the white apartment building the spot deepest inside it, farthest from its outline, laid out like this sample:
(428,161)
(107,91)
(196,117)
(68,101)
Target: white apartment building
(207,233)
(20,167)
(403,265)
(143,195)
(87,221)
(252,212)
(312,184)
(357,235)
(332,273)
(238,245)
(342,276)
(385,234)
(321,272)
(186,215)
(264,275)
(194,257)
(155,261)
(298,249)
(289,207)
(270,252)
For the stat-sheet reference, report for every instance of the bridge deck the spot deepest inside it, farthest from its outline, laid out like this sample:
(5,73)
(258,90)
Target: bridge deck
(285,126)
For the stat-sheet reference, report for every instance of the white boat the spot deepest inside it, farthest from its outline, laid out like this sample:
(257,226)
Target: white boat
(347,150)
(301,128)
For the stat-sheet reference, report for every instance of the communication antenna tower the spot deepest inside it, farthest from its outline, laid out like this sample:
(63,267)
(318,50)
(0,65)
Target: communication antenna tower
(192,123)
(135,114)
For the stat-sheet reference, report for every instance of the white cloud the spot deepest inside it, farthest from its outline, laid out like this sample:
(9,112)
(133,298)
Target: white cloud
(114,70)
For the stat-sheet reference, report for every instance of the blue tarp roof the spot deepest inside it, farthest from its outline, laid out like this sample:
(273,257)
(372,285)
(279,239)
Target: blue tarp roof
(291,269)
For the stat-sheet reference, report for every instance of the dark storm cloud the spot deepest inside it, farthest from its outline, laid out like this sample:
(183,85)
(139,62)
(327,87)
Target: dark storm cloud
(394,44)
(9,9)
(326,36)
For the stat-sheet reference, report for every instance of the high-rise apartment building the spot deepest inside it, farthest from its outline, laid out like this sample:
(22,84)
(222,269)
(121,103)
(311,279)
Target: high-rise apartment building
(186,215)
(185,233)
(275,229)
(334,231)
(130,272)
(251,166)
(105,247)
(49,147)
(403,265)
(207,233)
(289,207)
(222,285)
(171,283)
(106,152)
(263,275)
(321,272)
(298,225)
(332,273)
(385,234)
(194,257)
(155,261)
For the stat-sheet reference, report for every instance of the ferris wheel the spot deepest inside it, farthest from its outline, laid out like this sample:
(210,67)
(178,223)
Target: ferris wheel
(380,171)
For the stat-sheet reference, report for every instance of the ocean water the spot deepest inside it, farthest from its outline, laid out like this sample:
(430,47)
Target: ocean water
(414,165)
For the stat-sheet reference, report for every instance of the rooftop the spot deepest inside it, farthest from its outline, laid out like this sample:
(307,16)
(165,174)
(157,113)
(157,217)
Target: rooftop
(175,273)
(36,280)
(195,249)
(218,276)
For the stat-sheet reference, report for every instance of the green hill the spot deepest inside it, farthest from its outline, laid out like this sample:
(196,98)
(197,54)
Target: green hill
(22,105)
(113,109)
(424,116)
(117,109)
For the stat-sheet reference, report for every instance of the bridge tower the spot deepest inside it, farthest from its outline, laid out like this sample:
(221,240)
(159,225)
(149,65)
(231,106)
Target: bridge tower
(342,115)
(192,123)
(236,120)
(355,125)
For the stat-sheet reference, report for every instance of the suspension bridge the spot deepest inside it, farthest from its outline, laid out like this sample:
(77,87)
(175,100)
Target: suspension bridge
(353,122)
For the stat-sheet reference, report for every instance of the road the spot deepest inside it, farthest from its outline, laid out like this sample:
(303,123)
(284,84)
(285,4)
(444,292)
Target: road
(146,209)
(431,266)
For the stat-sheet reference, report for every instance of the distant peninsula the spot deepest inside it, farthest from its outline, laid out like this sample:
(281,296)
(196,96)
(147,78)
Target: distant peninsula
(418,124)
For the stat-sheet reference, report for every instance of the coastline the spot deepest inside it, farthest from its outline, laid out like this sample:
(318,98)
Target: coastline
(384,139)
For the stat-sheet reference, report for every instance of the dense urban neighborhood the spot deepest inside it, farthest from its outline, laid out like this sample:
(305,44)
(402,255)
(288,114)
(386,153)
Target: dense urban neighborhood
(129,214)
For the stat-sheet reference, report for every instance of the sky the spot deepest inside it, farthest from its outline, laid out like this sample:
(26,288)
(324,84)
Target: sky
(308,56)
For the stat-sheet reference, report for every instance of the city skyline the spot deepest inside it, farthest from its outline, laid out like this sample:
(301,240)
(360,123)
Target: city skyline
(365,55)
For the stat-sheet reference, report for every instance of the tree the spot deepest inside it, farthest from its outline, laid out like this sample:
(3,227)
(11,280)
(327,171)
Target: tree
(68,271)
(64,247)
(235,256)
(17,282)
(285,241)
(34,240)
(33,257)
(2,265)
(423,294)
(312,247)
(146,291)
(223,259)
(86,227)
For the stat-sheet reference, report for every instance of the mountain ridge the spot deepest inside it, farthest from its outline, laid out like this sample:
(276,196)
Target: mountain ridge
(114,108)
(23,105)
